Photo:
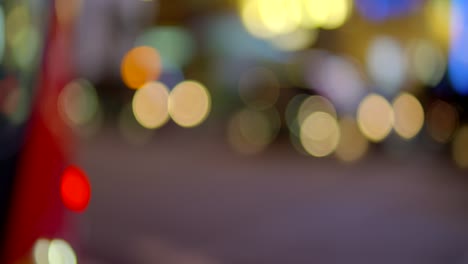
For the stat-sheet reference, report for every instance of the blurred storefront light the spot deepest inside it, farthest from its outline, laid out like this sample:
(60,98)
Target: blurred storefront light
(175,45)
(428,63)
(320,134)
(150,105)
(75,189)
(375,117)
(78,102)
(339,79)
(386,64)
(189,103)
(140,65)
(60,252)
(442,121)
(409,115)
(458,57)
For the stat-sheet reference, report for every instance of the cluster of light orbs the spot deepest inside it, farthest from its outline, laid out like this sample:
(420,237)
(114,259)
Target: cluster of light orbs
(291,24)
(55,251)
(187,104)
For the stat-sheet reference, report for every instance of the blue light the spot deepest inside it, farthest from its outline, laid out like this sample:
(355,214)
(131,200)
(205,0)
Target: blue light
(381,10)
(458,57)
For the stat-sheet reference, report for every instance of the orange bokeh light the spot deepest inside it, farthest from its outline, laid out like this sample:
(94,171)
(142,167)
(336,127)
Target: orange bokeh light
(140,65)
(75,189)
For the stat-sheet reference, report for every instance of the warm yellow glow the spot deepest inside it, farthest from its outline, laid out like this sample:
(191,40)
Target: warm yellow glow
(442,121)
(150,105)
(315,103)
(22,36)
(329,14)
(375,117)
(437,15)
(139,66)
(250,131)
(428,62)
(409,115)
(17,23)
(60,252)
(353,145)
(259,88)
(460,147)
(296,40)
(339,13)
(78,102)
(189,103)
(250,15)
(41,251)
(280,16)
(320,134)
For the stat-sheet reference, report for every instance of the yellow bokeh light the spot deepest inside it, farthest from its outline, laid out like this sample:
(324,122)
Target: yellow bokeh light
(251,131)
(409,115)
(22,36)
(280,16)
(60,252)
(150,105)
(41,251)
(353,145)
(375,117)
(442,121)
(437,16)
(460,147)
(428,62)
(17,24)
(259,88)
(319,134)
(328,14)
(140,65)
(78,102)
(315,103)
(189,103)
(250,15)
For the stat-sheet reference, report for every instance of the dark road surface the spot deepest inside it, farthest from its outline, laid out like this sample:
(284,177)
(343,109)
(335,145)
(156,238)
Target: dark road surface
(186,198)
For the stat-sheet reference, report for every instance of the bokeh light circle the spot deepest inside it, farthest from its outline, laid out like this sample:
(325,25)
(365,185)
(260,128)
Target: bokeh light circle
(150,105)
(75,189)
(409,115)
(315,103)
(319,134)
(375,117)
(387,64)
(60,252)
(442,121)
(428,62)
(189,103)
(252,20)
(78,102)
(41,251)
(140,65)
(251,131)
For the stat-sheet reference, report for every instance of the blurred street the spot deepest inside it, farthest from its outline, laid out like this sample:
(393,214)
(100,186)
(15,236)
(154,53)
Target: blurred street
(186,197)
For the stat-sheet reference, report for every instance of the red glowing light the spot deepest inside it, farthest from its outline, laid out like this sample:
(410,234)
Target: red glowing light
(75,189)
